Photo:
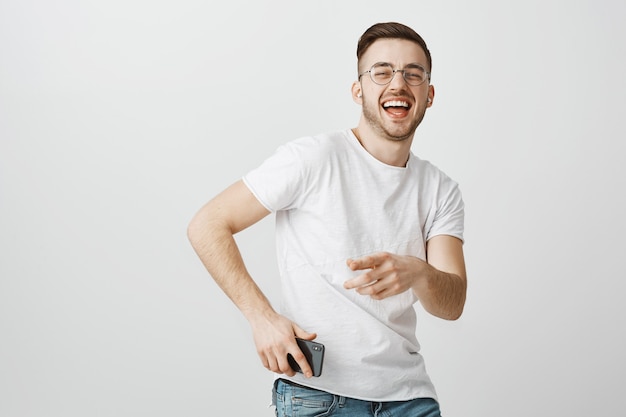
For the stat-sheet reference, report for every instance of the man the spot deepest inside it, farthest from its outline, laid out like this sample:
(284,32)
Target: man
(364,230)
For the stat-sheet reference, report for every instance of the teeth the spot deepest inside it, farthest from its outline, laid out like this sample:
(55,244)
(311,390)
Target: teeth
(396,104)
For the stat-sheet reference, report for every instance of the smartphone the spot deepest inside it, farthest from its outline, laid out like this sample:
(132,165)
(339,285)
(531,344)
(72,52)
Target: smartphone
(314,354)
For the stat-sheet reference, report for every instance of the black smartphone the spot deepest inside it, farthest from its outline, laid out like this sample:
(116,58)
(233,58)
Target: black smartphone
(314,354)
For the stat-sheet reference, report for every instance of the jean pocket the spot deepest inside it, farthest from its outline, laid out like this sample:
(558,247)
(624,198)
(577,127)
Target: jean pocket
(306,402)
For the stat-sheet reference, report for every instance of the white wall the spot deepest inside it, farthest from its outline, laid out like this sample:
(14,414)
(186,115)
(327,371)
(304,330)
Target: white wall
(119,119)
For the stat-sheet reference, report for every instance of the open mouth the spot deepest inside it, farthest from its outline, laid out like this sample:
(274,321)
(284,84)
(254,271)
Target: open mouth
(397,108)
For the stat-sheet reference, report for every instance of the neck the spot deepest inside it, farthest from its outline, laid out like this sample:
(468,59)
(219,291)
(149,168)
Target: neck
(386,150)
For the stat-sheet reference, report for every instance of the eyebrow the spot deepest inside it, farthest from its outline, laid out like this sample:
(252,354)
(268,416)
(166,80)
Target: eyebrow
(415,65)
(411,65)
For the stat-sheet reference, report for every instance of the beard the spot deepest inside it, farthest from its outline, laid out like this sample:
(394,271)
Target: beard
(391,131)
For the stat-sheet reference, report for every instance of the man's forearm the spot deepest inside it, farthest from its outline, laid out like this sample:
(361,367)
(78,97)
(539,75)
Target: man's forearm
(442,294)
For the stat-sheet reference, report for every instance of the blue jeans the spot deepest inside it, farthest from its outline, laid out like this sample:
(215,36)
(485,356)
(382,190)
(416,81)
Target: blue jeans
(292,400)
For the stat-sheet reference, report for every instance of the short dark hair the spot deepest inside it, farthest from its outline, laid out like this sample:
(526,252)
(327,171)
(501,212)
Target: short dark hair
(390,30)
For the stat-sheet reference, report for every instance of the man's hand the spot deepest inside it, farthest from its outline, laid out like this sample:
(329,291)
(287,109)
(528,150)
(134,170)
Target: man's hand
(387,274)
(440,284)
(274,337)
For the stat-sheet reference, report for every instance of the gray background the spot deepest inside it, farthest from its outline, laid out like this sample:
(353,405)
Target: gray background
(119,119)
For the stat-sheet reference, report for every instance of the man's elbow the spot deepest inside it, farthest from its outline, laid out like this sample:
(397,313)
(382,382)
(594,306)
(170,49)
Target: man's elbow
(457,311)
(451,310)
(455,314)
(192,233)
(198,228)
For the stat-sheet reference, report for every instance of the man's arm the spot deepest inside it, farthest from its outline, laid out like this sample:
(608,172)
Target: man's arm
(211,233)
(443,291)
(440,283)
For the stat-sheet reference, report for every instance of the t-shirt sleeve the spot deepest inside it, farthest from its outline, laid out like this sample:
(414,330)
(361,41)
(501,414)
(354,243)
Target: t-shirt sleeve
(449,218)
(277,181)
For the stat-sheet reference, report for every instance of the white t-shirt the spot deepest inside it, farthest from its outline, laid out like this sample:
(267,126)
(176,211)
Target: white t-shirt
(334,201)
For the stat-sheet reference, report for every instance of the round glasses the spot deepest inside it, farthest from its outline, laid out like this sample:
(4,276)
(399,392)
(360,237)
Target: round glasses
(382,73)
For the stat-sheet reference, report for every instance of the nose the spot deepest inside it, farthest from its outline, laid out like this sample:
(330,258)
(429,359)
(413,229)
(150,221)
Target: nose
(397,82)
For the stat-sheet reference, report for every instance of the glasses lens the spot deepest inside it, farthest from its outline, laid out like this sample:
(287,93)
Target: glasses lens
(414,75)
(381,73)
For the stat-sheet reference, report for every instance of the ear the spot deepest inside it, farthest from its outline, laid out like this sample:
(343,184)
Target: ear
(431,96)
(357,92)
